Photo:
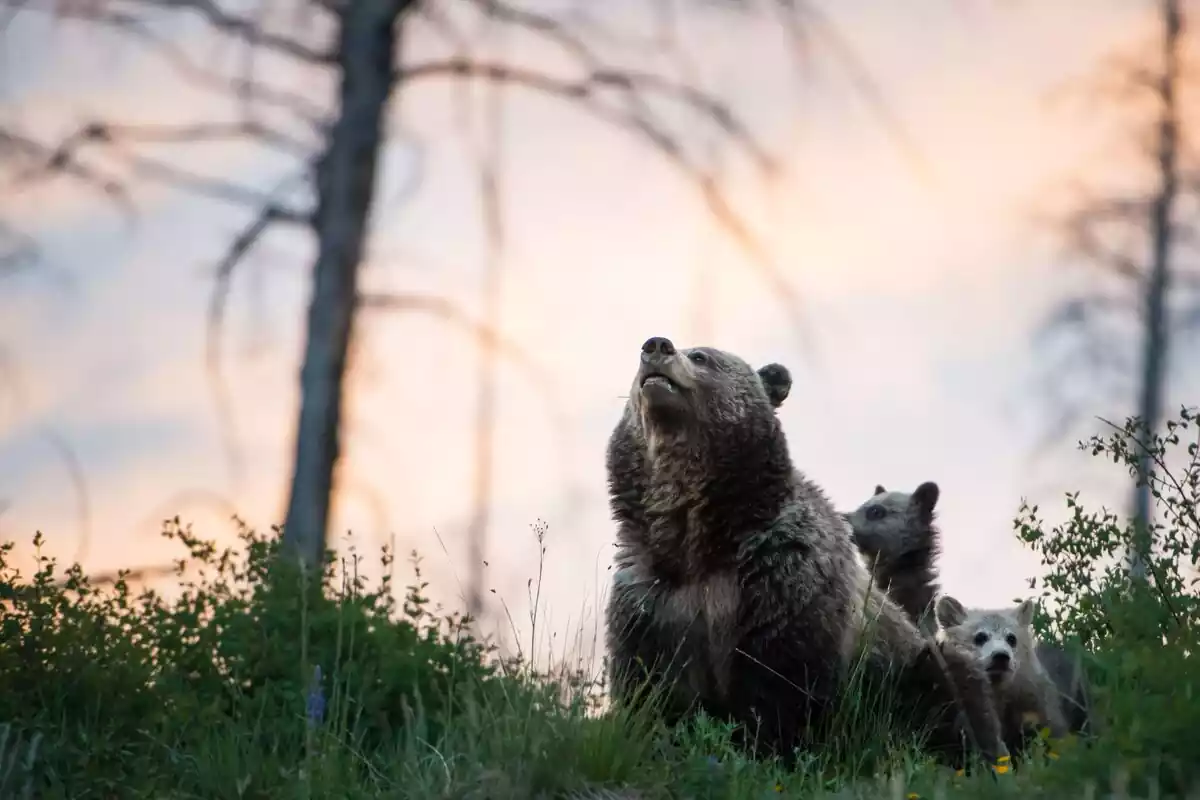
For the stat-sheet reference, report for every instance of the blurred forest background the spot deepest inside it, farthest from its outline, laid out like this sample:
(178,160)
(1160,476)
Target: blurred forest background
(234,233)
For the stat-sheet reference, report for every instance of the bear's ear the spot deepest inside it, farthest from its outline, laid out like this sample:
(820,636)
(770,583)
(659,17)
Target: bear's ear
(777,381)
(924,499)
(1025,611)
(879,489)
(949,612)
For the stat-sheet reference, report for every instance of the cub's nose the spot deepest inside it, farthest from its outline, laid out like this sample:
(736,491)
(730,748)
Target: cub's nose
(1001,660)
(658,346)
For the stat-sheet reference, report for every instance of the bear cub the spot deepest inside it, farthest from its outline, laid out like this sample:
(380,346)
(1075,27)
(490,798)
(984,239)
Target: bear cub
(897,534)
(1026,695)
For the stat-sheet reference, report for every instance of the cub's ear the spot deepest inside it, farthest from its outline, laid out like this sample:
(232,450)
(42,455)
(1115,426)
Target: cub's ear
(949,612)
(777,381)
(1025,611)
(924,499)
(879,489)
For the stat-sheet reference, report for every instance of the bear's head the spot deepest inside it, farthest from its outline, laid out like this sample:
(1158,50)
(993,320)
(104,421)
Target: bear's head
(1001,639)
(891,524)
(701,389)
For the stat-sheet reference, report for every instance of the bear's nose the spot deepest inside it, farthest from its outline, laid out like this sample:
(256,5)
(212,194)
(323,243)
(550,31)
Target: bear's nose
(658,345)
(1001,660)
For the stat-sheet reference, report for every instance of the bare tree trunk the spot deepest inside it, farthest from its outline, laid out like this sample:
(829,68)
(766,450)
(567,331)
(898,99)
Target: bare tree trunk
(1158,282)
(366,47)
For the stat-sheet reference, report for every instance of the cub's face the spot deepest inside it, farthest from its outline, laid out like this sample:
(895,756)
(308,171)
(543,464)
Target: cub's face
(675,389)
(1001,639)
(892,523)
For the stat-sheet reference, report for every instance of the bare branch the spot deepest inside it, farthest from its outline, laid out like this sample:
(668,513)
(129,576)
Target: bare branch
(205,132)
(549,27)
(113,139)
(58,160)
(585,91)
(241,28)
(135,28)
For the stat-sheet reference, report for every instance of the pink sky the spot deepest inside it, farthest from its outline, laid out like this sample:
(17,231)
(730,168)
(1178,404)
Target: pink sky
(923,298)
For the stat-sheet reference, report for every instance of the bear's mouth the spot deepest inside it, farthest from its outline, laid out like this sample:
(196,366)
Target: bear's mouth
(658,379)
(998,674)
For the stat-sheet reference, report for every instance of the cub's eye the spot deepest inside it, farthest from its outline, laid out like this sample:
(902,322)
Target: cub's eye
(1011,639)
(981,639)
(876,513)
(698,357)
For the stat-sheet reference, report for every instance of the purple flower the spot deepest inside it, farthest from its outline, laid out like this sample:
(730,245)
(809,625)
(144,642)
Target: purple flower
(315,704)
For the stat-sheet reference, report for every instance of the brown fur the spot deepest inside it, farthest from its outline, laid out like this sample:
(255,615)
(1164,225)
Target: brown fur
(897,533)
(1026,697)
(737,588)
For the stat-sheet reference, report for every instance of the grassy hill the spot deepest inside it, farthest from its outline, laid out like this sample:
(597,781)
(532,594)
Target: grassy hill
(261,682)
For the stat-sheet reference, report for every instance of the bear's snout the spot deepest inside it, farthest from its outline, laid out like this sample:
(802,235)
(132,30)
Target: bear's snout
(657,346)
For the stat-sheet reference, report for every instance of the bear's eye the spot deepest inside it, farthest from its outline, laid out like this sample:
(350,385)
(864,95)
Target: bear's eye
(981,639)
(698,357)
(876,513)
(1011,639)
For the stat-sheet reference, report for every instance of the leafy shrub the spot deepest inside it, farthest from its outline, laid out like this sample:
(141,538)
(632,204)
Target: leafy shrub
(1138,638)
(252,658)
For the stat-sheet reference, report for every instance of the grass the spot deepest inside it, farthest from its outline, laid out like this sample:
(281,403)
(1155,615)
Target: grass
(260,681)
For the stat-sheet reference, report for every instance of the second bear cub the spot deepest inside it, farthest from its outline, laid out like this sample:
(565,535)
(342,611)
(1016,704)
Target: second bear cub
(1025,694)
